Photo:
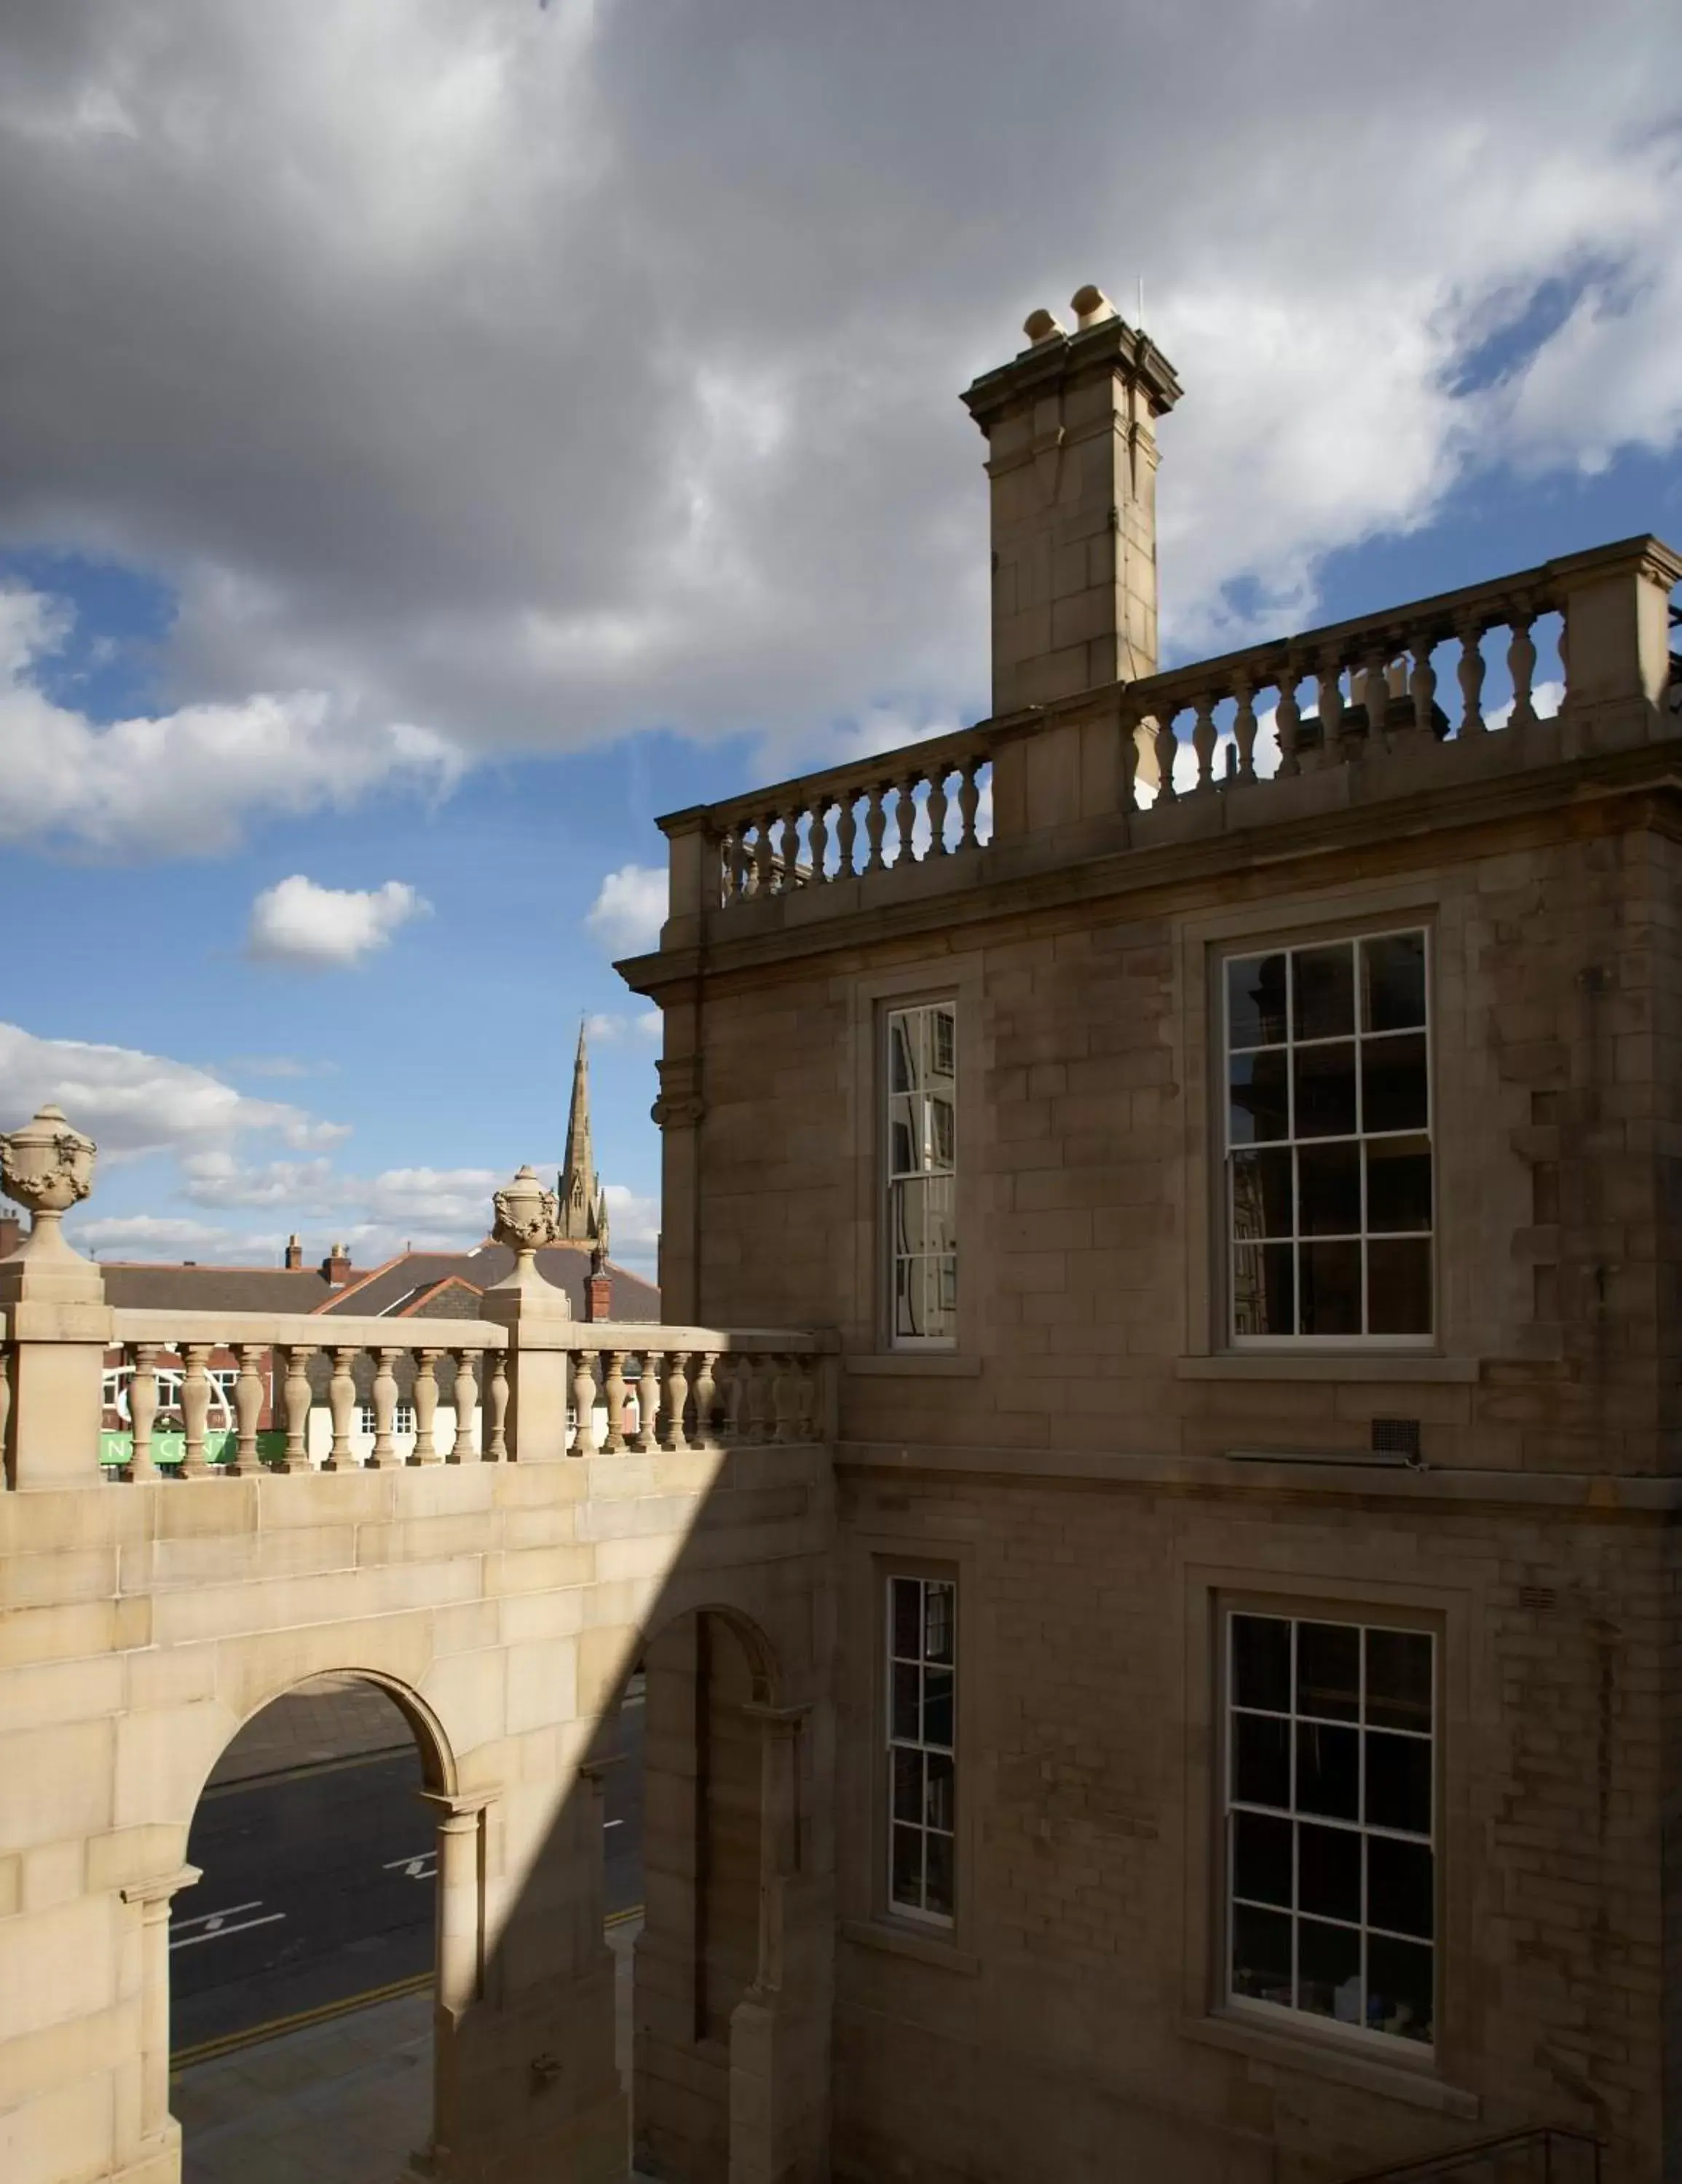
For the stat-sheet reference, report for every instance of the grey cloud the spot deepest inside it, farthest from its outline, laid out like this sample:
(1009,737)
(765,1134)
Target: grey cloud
(535,375)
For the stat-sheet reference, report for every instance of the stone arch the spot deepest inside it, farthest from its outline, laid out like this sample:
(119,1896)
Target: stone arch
(439,1766)
(764,1663)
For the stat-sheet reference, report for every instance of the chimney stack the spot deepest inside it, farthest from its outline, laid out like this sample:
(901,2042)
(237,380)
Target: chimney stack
(336,1267)
(293,1261)
(598,1288)
(1071,454)
(11,1234)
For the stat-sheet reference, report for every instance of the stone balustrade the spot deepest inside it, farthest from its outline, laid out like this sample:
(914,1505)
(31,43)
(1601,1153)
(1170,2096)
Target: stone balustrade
(905,807)
(1567,659)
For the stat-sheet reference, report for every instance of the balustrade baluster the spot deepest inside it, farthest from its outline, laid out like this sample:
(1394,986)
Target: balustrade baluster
(1130,733)
(6,1406)
(383,1454)
(735,851)
(969,803)
(426,1449)
(196,1407)
(584,1402)
(613,1394)
(341,1403)
(296,1397)
(1422,686)
(1288,722)
(1469,674)
(464,1395)
(1329,683)
(907,817)
(819,837)
(1521,666)
(876,825)
(937,810)
(676,1396)
(1244,729)
(496,1408)
(142,1409)
(755,1422)
(791,848)
(763,856)
(785,1399)
(1167,750)
(706,1400)
(733,1424)
(1204,738)
(647,1438)
(846,833)
(247,1405)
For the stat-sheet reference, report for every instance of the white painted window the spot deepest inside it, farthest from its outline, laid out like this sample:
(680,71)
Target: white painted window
(923,1175)
(1331,1879)
(403,1418)
(364,1419)
(1328,1160)
(921,1708)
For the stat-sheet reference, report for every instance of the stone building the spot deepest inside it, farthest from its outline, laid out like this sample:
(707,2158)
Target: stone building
(1154,1551)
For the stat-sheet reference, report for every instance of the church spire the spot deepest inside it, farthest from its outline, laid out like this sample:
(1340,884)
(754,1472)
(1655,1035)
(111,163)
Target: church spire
(583,1202)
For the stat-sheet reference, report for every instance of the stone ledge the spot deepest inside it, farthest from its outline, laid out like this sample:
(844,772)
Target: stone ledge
(899,1941)
(1322,2058)
(1325,1365)
(912,1365)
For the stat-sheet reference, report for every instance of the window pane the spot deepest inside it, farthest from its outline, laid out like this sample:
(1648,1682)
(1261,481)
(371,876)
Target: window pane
(1399,1287)
(907,1684)
(1261,1853)
(925,1217)
(1393,982)
(1262,1662)
(1330,1180)
(1328,1872)
(1399,1988)
(941,1307)
(902,1071)
(1331,1288)
(1399,1680)
(1401,1887)
(942,1052)
(1399,1184)
(1261,1195)
(1329,1970)
(938,1884)
(1261,1954)
(1261,1760)
(943,1133)
(1255,1001)
(1328,1771)
(908,1296)
(1328,1670)
(1325,1091)
(937,1705)
(1264,1289)
(1259,1109)
(904,1602)
(905,1885)
(1393,1083)
(939,1622)
(1324,983)
(939,1803)
(1398,1782)
(908,1796)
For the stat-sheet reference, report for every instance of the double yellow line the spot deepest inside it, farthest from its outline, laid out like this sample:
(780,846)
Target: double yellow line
(230,2043)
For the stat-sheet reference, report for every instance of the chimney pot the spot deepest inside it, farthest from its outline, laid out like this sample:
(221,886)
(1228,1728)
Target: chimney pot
(336,1267)
(1040,326)
(1091,306)
(293,1259)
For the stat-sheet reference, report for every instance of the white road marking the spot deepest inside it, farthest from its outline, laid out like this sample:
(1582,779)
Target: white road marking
(212,1926)
(421,1867)
(606,1824)
(204,1917)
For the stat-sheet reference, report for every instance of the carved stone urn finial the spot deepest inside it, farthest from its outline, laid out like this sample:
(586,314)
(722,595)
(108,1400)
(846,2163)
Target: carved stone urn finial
(49,1166)
(527,1218)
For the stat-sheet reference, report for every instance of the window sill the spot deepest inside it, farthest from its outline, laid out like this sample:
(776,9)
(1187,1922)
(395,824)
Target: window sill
(1325,1365)
(914,1364)
(1417,2088)
(902,1942)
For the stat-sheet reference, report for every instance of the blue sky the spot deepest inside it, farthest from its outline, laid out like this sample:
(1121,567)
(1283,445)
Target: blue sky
(438,438)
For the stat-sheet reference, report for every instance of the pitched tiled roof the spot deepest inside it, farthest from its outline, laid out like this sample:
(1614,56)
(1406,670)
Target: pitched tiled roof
(397,1286)
(215,1288)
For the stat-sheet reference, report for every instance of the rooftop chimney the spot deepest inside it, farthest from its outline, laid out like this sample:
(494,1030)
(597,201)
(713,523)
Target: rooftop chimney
(294,1258)
(336,1267)
(598,1288)
(1071,454)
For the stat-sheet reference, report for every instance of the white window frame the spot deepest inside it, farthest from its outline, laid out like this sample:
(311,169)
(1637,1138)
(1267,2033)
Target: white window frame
(1261,2009)
(919,1744)
(933,1010)
(1298,1343)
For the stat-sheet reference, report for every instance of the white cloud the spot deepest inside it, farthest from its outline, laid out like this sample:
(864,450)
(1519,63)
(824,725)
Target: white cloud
(607,1030)
(318,929)
(629,910)
(183,784)
(633,1224)
(143,1235)
(132,1102)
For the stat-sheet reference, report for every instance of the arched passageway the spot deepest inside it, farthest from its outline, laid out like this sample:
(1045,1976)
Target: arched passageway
(301,1962)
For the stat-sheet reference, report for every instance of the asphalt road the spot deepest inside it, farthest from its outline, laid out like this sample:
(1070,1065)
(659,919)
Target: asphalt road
(318,1887)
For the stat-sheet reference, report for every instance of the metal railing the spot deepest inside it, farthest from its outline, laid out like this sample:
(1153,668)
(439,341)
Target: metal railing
(1566,2157)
